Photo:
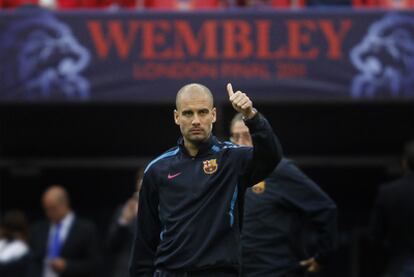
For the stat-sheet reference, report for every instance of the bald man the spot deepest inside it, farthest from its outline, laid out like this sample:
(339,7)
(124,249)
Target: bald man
(64,245)
(289,223)
(188,221)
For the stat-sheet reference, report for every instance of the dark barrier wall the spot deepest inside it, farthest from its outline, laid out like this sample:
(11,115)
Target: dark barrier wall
(147,56)
(314,130)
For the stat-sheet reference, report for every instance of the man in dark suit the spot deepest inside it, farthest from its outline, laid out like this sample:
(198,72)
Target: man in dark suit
(289,223)
(64,245)
(393,219)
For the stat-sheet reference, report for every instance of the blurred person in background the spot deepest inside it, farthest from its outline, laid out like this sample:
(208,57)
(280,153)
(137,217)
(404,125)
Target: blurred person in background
(14,250)
(393,219)
(64,245)
(289,225)
(120,235)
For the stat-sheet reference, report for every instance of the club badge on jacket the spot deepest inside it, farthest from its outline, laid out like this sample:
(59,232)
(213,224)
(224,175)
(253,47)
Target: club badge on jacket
(259,187)
(210,166)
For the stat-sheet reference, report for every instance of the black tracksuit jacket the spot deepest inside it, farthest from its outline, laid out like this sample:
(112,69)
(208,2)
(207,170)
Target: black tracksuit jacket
(287,218)
(188,217)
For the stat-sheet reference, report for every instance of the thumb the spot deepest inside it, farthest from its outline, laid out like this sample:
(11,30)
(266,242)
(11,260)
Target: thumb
(230,89)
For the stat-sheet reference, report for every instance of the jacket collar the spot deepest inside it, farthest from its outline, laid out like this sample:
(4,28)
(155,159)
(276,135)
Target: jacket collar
(204,148)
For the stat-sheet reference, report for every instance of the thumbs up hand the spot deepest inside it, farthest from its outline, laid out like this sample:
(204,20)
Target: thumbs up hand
(241,102)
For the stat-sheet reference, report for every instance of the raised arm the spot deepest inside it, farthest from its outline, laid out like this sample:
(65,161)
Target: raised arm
(266,152)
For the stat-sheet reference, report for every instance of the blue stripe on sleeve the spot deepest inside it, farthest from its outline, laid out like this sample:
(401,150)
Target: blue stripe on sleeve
(165,155)
(232,203)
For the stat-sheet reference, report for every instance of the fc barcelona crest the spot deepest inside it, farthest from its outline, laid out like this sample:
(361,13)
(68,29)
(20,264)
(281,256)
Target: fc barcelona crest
(259,187)
(210,166)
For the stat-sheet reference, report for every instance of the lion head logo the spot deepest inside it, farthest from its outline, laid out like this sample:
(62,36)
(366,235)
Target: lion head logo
(41,59)
(385,59)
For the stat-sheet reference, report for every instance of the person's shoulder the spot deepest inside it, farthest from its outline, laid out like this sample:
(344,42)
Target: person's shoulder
(392,186)
(287,166)
(84,223)
(229,146)
(233,151)
(395,190)
(284,163)
(288,170)
(40,226)
(82,220)
(389,190)
(163,157)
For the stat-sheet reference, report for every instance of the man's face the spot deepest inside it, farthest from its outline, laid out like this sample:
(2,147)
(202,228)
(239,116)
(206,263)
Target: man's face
(55,211)
(195,115)
(240,134)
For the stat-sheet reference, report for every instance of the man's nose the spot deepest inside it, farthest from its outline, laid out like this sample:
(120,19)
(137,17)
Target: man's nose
(196,120)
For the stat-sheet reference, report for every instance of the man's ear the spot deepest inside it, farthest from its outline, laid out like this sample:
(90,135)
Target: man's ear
(176,116)
(213,111)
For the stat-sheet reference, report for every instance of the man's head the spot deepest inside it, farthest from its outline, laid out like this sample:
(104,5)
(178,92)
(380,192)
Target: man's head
(195,113)
(408,156)
(56,204)
(240,133)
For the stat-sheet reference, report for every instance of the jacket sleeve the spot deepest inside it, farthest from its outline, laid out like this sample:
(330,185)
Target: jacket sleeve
(319,210)
(148,228)
(265,154)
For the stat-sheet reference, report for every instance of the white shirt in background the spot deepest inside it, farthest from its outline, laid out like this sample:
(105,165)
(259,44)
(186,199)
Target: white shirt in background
(11,250)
